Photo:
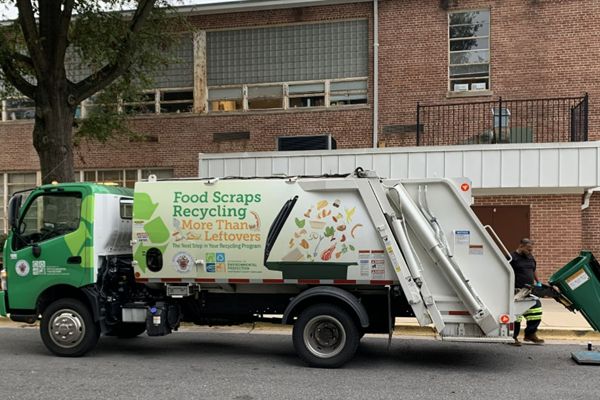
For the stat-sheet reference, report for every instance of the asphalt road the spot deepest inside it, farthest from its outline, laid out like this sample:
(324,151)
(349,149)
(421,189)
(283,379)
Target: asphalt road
(209,364)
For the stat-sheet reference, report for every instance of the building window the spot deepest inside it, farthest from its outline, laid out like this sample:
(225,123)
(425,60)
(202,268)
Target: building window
(288,67)
(160,173)
(11,183)
(121,177)
(469,37)
(18,108)
(327,93)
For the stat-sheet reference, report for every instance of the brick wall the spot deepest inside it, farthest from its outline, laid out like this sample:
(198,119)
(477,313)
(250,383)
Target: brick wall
(590,225)
(556,227)
(533,55)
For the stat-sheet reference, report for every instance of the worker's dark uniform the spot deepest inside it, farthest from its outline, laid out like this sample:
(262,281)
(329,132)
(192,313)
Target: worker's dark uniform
(524,266)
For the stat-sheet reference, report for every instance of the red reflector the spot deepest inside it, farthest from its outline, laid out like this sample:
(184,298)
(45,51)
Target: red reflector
(459,313)
(504,319)
(464,187)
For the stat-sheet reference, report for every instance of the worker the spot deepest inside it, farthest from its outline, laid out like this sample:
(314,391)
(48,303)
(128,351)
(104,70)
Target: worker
(525,267)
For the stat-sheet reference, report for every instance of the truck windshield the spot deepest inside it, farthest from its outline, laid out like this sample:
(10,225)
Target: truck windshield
(49,216)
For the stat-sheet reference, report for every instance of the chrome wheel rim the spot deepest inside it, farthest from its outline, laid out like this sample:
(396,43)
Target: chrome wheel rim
(324,336)
(66,328)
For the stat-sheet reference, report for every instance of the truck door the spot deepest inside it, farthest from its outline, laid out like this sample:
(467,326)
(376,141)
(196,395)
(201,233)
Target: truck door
(49,246)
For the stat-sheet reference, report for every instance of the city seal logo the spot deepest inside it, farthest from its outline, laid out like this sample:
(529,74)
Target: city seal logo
(183,262)
(22,268)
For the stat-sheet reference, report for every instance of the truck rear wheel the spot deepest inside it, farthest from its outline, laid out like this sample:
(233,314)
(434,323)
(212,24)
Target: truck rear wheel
(68,328)
(325,336)
(127,331)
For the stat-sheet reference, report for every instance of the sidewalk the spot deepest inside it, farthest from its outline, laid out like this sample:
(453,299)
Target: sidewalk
(557,323)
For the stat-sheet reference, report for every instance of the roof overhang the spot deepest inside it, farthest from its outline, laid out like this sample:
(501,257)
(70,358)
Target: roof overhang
(507,169)
(258,5)
(243,6)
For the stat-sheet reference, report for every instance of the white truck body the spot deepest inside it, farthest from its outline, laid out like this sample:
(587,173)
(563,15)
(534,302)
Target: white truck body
(352,232)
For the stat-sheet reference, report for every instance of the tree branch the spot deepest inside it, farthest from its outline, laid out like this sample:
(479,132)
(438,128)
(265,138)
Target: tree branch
(107,75)
(63,42)
(32,39)
(15,79)
(22,58)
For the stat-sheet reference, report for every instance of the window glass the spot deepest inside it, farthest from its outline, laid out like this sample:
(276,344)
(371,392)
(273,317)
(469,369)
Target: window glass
(90,176)
(290,53)
(307,88)
(160,173)
(350,86)
(224,94)
(316,101)
(50,216)
(126,206)
(469,49)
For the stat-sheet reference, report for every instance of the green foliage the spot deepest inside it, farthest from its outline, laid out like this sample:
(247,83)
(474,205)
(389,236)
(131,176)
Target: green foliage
(99,39)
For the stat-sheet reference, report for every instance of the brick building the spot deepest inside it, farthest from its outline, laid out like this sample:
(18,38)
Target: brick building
(257,72)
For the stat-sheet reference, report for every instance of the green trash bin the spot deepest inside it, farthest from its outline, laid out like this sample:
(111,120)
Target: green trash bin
(579,281)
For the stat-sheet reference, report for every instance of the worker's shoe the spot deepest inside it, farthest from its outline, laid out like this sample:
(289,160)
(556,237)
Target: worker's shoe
(517,343)
(533,338)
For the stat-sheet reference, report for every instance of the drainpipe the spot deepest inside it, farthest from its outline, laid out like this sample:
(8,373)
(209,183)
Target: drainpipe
(588,194)
(375,71)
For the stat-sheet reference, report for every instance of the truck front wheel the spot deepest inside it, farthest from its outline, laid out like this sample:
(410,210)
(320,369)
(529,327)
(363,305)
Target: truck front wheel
(68,328)
(325,336)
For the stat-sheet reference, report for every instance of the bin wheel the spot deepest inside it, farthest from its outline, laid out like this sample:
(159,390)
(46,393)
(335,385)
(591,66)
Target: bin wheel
(325,336)
(68,328)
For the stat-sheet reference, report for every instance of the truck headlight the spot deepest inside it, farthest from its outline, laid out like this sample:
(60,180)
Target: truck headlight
(3,280)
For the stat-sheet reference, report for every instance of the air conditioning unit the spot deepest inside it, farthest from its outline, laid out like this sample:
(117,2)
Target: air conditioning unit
(311,142)
(461,87)
(478,86)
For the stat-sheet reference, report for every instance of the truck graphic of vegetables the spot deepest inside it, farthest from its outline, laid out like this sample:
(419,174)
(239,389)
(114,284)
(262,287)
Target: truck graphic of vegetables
(318,243)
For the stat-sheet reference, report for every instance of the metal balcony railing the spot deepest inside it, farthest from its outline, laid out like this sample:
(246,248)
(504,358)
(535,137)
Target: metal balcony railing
(503,121)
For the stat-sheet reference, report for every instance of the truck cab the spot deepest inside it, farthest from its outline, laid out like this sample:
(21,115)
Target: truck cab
(53,251)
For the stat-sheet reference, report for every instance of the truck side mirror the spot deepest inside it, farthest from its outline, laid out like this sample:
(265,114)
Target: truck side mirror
(13,210)
(36,250)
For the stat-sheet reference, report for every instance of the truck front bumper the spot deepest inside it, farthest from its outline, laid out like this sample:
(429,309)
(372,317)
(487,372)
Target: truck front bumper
(3,311)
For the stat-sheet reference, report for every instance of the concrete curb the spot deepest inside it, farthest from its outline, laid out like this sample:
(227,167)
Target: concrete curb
(400,330)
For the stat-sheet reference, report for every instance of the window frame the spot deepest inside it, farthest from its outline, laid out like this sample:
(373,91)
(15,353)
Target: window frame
(286,96)
(18,244)
(469,92)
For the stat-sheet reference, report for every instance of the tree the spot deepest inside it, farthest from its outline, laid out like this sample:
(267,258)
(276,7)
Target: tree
(121,52)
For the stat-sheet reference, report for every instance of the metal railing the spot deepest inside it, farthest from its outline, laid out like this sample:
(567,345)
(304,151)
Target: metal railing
(503,121)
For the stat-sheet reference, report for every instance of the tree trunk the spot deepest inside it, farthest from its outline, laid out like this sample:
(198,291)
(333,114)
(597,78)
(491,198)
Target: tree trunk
(52,132)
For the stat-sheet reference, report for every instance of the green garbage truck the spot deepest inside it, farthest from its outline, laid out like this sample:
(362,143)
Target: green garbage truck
(334,256)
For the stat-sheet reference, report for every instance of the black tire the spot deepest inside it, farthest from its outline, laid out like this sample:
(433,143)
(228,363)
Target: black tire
(127,331)
(75,332)
(325,336)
